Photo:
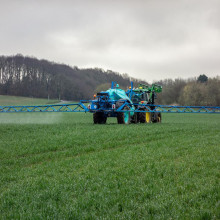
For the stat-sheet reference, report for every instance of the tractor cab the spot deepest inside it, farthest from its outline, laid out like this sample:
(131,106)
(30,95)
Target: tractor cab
(101,101)
(144,94)
(140,96)
(102,96)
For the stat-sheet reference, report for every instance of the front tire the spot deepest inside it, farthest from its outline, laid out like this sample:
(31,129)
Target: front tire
(99,118)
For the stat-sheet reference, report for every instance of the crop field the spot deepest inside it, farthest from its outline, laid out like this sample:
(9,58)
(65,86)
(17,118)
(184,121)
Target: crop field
(18,100)
(62,166)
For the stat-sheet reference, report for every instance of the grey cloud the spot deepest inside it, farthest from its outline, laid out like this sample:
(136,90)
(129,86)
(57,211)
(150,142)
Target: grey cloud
(149,39)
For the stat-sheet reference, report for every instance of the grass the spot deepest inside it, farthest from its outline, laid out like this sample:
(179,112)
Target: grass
(18,100)
(61,166)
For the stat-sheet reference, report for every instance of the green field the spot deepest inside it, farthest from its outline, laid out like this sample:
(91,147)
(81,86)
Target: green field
(62,166)
(18,100)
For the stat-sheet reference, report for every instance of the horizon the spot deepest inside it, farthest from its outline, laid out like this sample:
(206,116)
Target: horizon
(105,70)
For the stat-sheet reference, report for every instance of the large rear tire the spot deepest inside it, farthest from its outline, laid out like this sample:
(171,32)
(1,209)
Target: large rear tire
(156,117)
(99,118)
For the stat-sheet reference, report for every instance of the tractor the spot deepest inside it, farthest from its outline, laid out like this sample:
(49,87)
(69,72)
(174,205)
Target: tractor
(107,102)
(131,106)
(115,102)
(141,96)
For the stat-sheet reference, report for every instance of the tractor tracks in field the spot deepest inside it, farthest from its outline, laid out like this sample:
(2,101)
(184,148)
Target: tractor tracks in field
(71,152)
(35,159)
(29,166)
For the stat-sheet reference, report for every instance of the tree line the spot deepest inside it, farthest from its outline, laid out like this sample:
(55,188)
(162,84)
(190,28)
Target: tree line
(28,76)
(201,91)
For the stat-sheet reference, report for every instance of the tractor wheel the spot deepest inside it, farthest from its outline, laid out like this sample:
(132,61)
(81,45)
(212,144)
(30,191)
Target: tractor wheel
(99,118)
(144,117)
(159,117)
(134,118)
(124,117)
(156,117)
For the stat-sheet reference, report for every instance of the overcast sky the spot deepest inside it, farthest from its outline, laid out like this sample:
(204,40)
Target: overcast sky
(147,39)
